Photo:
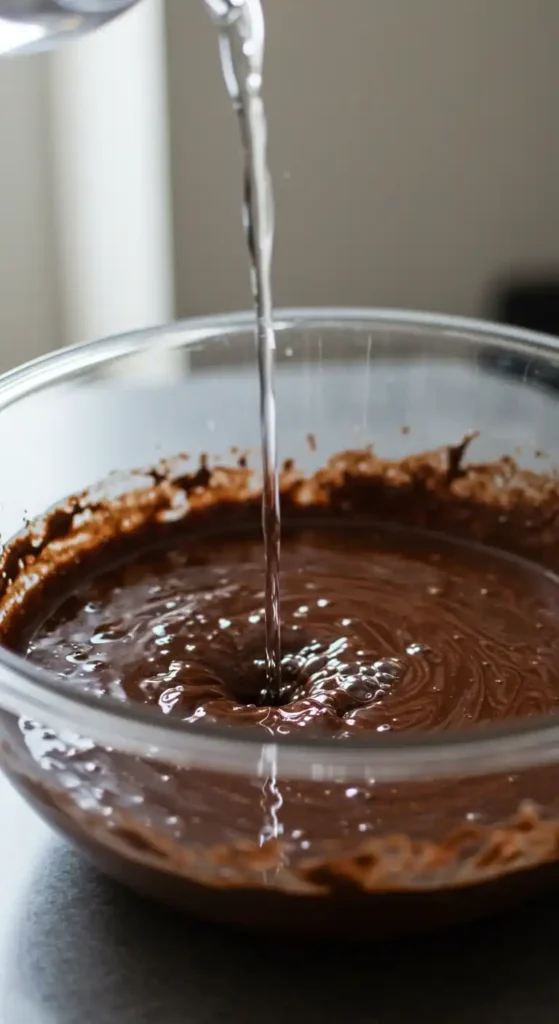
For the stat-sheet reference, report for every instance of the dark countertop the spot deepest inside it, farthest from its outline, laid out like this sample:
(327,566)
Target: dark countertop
(76,949)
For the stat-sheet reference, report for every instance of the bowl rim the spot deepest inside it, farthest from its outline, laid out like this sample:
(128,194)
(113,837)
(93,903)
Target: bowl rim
(31,692)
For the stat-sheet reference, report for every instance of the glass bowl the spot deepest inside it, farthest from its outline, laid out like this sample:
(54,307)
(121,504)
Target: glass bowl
(217,821)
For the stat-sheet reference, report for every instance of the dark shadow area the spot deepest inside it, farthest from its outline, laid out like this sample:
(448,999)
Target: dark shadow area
(88,952)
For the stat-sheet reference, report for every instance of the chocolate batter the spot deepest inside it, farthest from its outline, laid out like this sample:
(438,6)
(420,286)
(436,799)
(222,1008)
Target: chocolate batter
(382,630)
(415,595)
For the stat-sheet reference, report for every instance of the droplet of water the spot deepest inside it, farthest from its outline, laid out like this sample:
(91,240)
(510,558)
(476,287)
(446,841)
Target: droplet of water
(169,698)
(105,636)
(77,657)
(417,649)
(301,611)
(387,671)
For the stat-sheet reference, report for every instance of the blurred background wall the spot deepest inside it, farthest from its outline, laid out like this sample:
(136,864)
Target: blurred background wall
(414,146)
(29,295)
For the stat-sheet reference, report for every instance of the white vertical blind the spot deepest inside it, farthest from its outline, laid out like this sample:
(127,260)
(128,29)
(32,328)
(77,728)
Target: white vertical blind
(110,177)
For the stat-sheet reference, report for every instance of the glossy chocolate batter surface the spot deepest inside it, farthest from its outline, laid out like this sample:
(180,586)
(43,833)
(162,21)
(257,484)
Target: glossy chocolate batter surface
(383,629)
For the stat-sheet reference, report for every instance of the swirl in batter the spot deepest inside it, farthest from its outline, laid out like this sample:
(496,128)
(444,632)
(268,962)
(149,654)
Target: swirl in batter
(383,629)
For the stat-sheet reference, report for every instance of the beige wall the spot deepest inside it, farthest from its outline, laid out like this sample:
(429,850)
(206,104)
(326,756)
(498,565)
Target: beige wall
(28,277)
(415,151)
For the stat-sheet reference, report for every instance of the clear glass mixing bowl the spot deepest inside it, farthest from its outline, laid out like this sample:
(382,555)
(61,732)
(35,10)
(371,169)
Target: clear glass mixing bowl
(145,796)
